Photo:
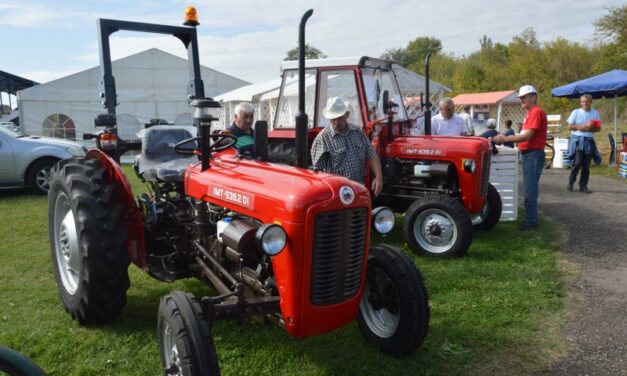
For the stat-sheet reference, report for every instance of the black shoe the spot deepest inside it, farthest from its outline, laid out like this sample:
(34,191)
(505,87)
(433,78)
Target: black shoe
(528,226)
(585,190)
(570,187)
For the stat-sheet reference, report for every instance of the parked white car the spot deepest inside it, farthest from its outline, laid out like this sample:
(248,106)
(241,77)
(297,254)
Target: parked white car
(27,160)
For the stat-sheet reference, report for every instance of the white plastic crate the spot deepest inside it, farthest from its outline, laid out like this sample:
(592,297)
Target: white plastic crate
(504,177)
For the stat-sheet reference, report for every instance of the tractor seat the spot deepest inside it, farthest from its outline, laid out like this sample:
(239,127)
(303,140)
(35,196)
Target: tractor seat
(158,160)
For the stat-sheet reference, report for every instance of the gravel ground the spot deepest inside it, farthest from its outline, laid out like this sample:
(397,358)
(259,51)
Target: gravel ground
(595,239)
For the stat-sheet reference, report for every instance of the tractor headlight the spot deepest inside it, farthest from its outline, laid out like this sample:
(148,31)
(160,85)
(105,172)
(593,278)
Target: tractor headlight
(383,219)
(470,165)
(271,239)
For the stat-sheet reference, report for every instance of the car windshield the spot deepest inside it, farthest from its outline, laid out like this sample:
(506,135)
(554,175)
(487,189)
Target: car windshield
(287,107)
(377,81)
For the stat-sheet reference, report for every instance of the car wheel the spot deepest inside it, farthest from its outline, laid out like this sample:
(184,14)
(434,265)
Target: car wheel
(394,310)
(88,240)
(439,226)
(39,176)
(185,340)
(490,214)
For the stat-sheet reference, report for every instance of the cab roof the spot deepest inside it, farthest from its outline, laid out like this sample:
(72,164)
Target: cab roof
(361,61)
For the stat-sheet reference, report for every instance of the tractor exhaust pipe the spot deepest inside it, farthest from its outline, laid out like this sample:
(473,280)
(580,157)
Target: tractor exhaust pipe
(428,97)
(302,150)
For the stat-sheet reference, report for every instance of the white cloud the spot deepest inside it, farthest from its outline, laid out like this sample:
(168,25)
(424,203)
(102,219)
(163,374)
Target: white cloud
(249,39)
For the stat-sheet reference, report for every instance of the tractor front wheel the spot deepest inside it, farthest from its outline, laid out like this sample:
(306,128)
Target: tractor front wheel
(439,226)
(87,236)
(394,309)
(490,214)
(185,340)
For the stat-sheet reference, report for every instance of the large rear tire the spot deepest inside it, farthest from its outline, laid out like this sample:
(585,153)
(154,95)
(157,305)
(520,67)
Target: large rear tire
(185,340)
(394,310)
(88,237)
(490,214)
(439,226)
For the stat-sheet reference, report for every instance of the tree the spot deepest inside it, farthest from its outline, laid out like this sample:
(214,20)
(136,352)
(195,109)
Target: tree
(415,53)
(611,33)
(612,27)
(310,53)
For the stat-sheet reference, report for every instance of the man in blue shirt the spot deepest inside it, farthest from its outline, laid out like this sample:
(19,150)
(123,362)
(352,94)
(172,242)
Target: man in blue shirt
(242,128)
(582,148)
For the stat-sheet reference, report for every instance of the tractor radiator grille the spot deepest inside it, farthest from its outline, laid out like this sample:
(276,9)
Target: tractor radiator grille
(485,173)
(338,255)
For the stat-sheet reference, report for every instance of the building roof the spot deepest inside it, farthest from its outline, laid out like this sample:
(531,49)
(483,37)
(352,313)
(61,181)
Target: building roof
(10,83)
(493,97)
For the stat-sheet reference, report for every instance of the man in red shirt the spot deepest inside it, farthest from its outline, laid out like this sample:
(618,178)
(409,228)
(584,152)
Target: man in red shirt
(531,141)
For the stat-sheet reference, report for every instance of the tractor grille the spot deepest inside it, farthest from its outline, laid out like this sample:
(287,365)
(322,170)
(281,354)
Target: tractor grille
(338,255)
(485,174)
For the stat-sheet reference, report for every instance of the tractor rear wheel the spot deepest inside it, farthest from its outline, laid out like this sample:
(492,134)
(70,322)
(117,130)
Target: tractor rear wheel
(490,214)
(438,225)
(394,309)
(87,236)
(185,340)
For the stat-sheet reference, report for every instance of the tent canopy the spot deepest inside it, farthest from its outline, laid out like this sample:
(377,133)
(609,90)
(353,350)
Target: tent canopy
(10,83)
(608,84)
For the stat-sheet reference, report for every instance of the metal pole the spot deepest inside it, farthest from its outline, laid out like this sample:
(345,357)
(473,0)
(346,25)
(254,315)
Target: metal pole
(428,96)
(302,150)
(615,129)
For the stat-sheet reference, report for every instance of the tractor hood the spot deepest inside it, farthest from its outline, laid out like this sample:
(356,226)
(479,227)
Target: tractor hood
(433,147)
(269,191)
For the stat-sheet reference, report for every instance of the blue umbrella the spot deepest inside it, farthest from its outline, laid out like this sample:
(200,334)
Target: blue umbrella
(606,85)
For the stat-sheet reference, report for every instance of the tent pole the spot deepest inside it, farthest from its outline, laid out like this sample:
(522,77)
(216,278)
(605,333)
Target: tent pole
(615,129)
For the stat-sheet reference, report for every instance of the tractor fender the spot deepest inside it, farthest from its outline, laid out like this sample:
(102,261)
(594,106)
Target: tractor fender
(133,218)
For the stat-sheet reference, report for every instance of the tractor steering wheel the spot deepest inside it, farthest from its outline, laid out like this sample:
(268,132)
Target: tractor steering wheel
(221,141)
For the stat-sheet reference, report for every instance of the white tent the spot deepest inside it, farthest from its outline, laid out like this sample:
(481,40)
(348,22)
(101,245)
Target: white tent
(150,84)
(249,93)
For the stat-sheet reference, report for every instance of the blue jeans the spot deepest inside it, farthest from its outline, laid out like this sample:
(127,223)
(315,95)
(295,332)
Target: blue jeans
(532,164)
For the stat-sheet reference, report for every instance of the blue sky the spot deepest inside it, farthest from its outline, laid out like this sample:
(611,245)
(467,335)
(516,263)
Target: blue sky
(44,40)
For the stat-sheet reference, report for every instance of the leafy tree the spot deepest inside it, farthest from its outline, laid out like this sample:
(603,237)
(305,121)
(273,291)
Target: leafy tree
(310,53)
(415,53)
(612,27)
(611,33)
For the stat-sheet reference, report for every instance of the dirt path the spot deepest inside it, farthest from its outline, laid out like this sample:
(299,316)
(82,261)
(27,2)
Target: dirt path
(595,227)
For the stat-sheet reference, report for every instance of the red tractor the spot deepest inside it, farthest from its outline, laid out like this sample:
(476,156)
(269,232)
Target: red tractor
(272,240)
(441,184)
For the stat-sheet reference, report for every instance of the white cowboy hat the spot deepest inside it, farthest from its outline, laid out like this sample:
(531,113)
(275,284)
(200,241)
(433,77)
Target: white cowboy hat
(336,107)
(527,89)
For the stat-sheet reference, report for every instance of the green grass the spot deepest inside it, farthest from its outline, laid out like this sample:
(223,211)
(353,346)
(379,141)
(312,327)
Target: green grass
(496,311)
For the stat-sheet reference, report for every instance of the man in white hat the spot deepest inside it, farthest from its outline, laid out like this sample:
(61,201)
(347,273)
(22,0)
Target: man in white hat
(343,149)
(531,141)
(491,132)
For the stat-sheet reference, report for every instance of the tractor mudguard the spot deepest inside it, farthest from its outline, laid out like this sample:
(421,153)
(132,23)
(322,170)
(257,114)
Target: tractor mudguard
(133,218)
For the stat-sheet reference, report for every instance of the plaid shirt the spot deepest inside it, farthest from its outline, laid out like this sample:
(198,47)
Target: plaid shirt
(342,154)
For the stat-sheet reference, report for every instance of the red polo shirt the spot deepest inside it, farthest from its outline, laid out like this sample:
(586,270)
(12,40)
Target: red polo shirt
(536,119)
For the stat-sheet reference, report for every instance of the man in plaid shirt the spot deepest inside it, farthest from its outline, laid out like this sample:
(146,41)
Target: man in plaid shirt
(343,149)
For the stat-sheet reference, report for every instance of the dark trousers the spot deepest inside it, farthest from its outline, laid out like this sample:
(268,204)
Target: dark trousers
(582,161)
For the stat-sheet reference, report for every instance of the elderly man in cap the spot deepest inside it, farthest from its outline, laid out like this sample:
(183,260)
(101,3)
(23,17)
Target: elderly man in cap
(343,149)
(531,141)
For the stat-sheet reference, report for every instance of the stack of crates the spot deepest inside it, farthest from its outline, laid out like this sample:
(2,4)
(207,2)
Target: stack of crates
(622,170)
(504,177)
